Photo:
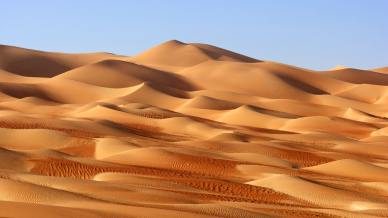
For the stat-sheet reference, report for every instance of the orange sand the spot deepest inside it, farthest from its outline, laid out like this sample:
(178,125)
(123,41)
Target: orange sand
(189,130)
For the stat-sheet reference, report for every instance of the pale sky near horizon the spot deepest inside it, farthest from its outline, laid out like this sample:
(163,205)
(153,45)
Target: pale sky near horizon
(317,34)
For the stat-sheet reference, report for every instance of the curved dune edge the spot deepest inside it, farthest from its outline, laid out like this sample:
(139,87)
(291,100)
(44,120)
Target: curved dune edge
(189,130)
(352,168)
(296,187)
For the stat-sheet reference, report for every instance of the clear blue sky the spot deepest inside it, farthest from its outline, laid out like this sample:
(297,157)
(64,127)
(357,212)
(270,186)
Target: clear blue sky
(317,34)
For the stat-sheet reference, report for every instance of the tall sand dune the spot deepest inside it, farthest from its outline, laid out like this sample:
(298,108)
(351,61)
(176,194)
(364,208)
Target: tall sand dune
(189,130)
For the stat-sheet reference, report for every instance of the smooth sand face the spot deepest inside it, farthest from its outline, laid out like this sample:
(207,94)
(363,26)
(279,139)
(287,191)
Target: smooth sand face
(189,130)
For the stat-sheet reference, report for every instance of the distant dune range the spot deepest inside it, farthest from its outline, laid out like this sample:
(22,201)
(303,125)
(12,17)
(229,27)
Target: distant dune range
(189,130)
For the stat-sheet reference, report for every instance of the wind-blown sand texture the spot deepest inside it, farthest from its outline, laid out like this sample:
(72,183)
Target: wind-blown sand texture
(189,130)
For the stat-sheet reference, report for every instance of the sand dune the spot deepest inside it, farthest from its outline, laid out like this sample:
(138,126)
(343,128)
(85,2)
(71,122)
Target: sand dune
(180,54)
(189,130)
(362,170)
(119,74)
(381,70)
(297,187)
(359,76)
(27,62)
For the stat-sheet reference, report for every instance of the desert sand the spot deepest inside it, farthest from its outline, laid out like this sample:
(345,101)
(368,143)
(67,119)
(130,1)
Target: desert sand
(189,130)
